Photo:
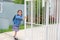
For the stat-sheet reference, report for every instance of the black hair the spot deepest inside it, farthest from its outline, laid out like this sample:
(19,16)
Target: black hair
(19,10)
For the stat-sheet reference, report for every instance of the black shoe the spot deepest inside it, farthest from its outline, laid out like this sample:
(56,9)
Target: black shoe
(15,38)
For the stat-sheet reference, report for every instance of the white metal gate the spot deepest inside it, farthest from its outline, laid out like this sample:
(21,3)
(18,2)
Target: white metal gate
(42,20)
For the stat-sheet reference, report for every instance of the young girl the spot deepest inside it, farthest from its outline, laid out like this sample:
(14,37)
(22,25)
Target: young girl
(17,21)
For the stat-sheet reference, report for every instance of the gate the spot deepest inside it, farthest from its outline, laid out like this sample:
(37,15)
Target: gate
(42,21)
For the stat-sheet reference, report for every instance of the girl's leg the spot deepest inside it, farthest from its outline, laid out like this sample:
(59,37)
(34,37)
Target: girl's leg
(15,29)
(15,33)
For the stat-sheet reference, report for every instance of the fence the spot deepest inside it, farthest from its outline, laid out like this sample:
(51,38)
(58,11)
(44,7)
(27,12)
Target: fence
(43,12)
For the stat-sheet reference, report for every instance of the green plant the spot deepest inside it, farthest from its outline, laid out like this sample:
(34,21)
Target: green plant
(10,29)
(19,1)
(37,8)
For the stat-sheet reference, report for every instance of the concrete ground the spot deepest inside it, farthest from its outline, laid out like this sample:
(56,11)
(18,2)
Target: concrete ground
(37,33)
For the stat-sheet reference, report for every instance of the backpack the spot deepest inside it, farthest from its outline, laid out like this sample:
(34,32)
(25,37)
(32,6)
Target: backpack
(14,17)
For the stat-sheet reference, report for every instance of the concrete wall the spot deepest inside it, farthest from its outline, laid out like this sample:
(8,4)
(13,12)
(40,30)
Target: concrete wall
(9,10)
(4,23)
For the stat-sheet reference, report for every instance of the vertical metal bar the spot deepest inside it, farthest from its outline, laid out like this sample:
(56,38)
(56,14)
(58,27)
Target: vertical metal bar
(31,14)
(47,18)
(57,18)
(52,19)
(32,18)
(37,12)
(57,11)
(47,14)
(43,12)
(42,15)
(34,10)
(50,12)
(50,15)
(25,19)
(55,15)
(25,13)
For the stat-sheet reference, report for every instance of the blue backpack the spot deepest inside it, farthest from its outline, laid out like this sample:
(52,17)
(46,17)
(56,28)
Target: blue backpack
(14,17)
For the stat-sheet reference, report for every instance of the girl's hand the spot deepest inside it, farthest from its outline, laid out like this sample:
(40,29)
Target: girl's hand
(25,17)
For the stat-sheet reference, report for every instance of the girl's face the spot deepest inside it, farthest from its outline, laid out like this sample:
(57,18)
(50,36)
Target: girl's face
(20,13)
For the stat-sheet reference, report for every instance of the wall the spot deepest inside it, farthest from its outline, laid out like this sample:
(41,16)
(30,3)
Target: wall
(9,10)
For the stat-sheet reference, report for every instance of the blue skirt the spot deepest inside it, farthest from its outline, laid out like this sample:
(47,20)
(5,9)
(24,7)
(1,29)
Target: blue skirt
(15,28)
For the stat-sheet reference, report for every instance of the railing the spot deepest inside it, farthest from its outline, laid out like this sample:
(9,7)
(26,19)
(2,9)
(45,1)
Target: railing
(43,12)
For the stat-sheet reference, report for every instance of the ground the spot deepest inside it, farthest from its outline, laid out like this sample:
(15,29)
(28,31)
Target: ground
(36,33)
(24,34)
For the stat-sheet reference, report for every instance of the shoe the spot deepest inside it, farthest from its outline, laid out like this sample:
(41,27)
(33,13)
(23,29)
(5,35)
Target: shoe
(16,38)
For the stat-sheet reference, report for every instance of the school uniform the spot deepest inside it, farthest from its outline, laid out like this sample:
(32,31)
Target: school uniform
(17,21)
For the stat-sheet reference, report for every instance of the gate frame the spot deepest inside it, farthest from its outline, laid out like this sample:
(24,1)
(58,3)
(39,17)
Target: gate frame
(47,17)
(31,18)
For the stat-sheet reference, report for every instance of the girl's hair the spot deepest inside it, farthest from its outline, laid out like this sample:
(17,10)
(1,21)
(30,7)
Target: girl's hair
(19,10)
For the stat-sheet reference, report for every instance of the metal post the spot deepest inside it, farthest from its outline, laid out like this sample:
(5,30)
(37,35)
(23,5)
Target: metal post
(39,11)
(47,13)
(57,19)
(32,19)
(47,18)
(25,19)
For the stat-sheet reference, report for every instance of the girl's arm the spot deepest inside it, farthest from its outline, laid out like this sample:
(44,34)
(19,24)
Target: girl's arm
(18,17)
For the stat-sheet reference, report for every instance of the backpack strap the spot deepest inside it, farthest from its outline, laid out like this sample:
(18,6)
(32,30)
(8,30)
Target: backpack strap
(14,17)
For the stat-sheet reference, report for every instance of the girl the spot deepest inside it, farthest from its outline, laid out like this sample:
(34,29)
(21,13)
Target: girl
(17,21)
